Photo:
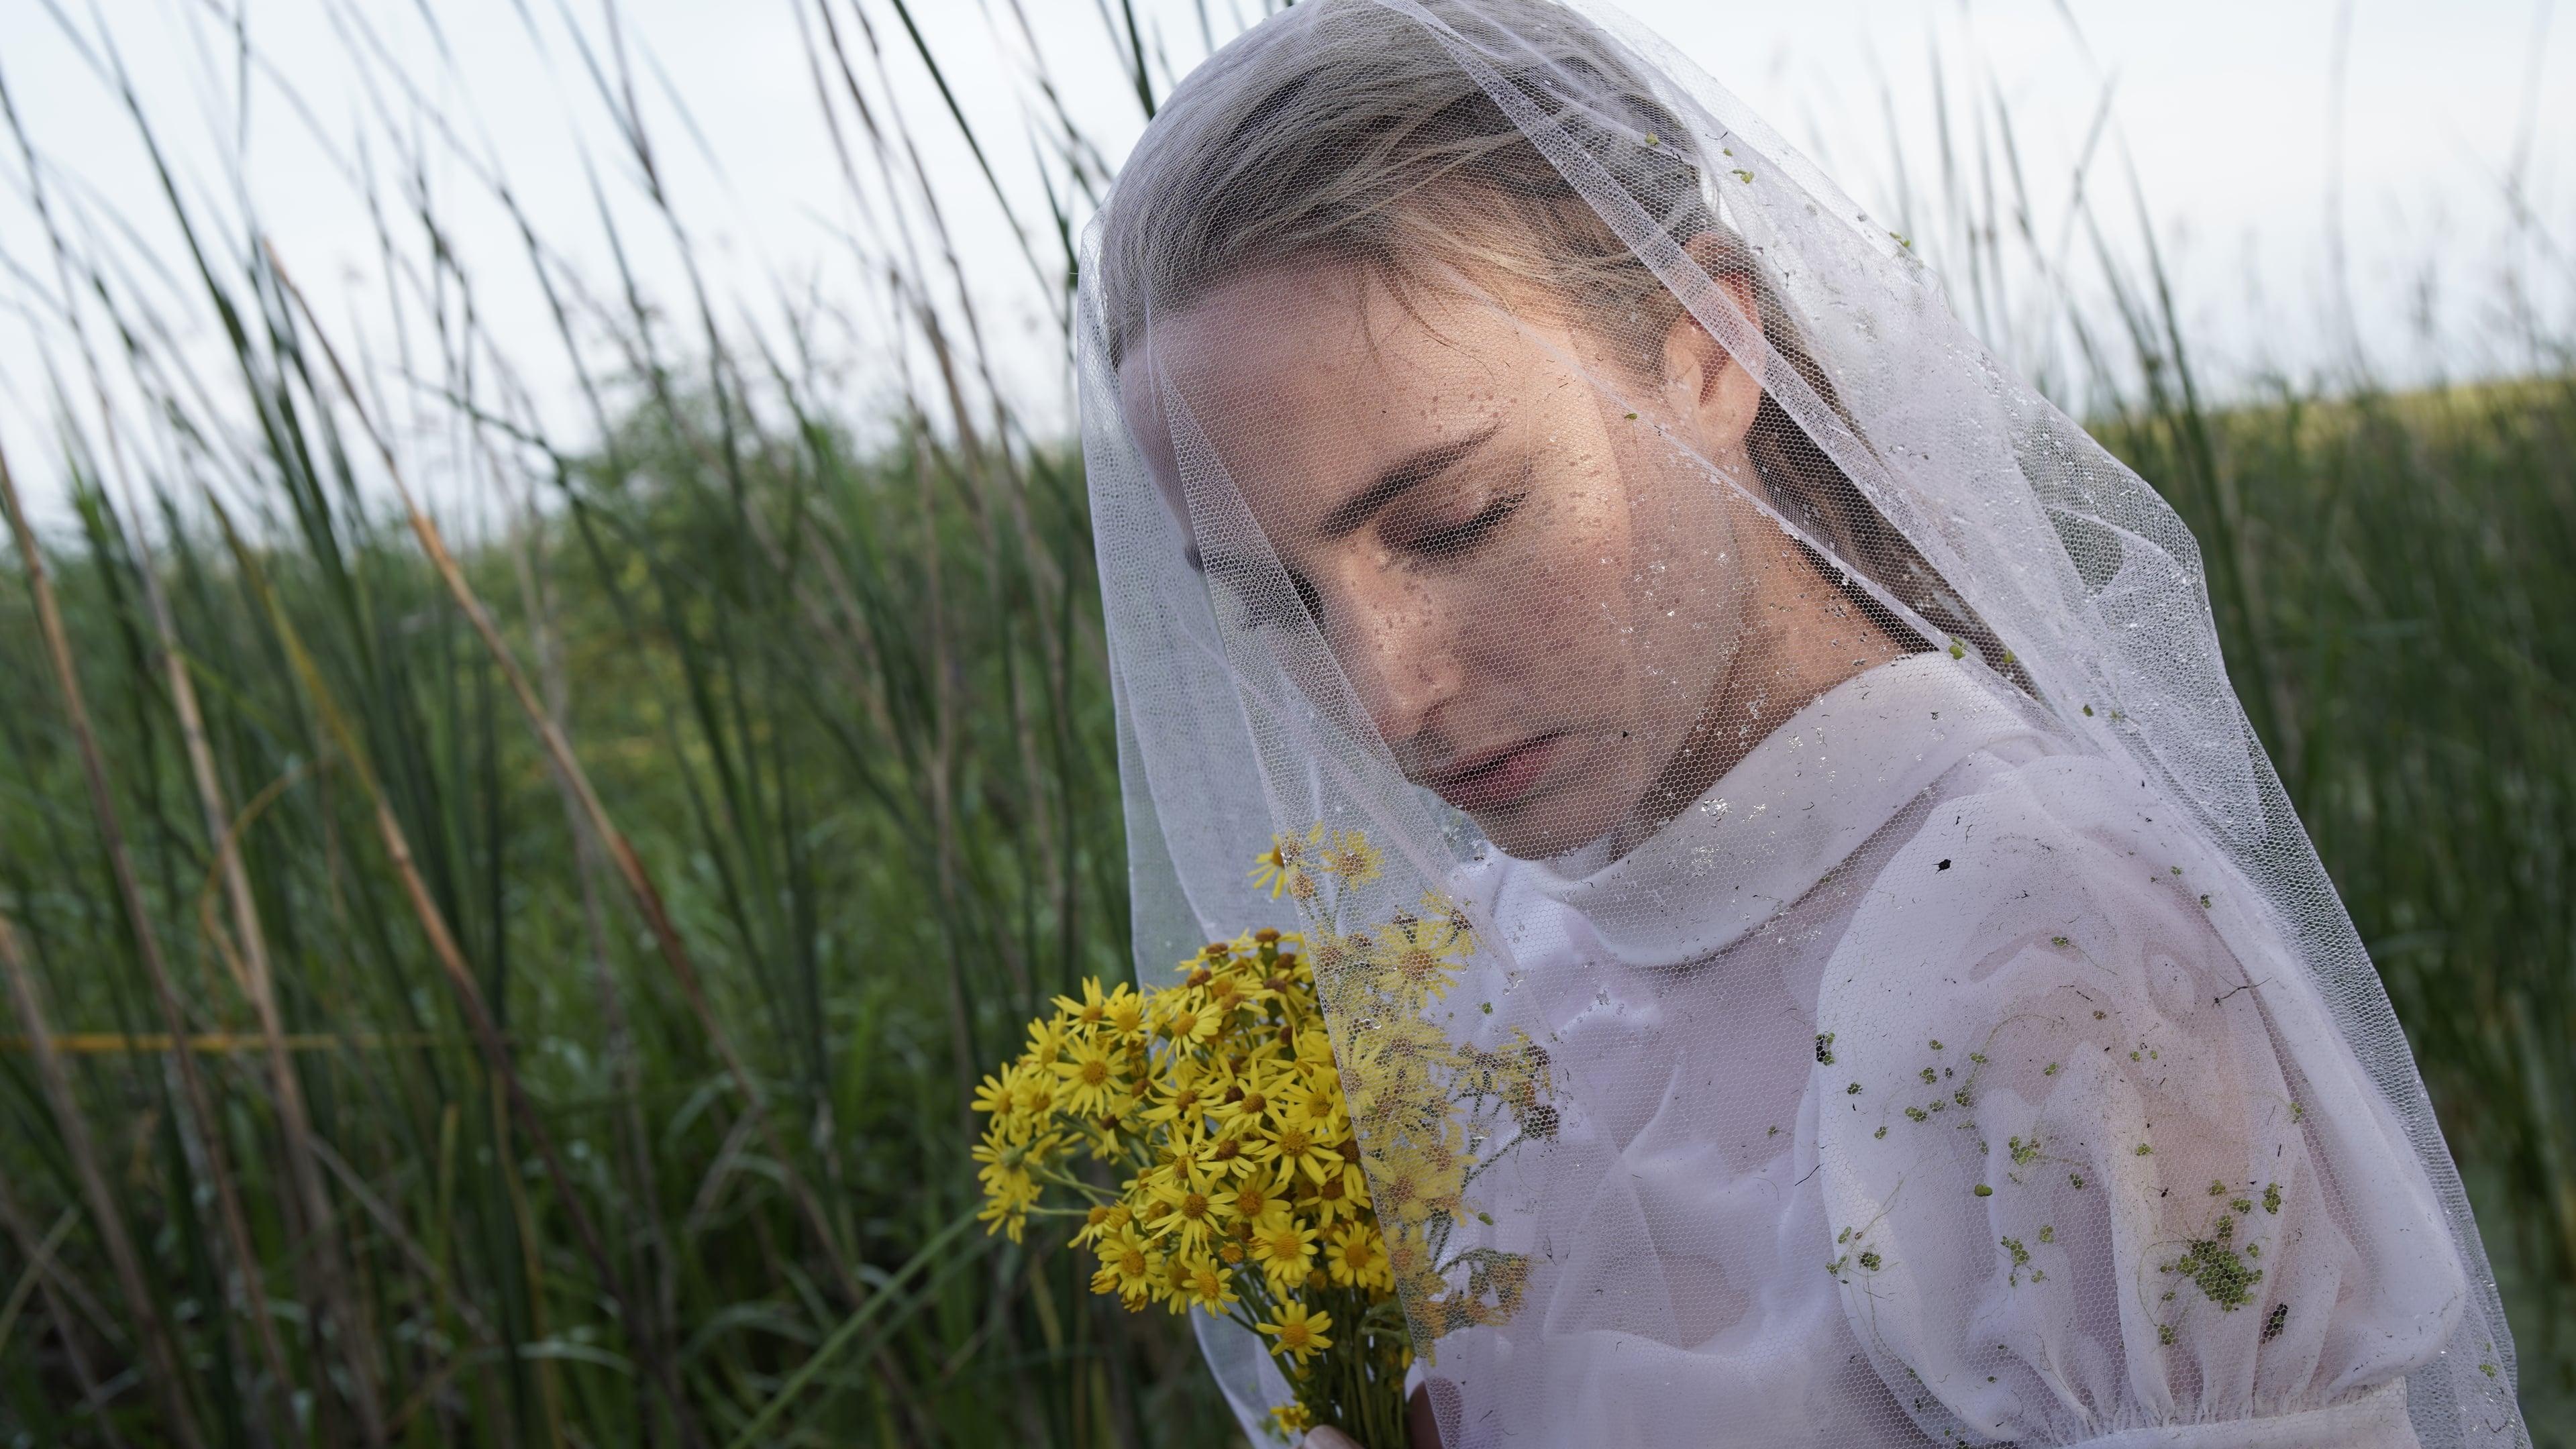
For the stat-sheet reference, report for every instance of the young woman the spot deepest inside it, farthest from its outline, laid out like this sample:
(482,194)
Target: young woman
(1502,445)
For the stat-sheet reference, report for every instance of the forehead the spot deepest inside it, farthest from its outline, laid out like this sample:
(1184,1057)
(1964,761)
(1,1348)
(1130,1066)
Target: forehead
(1306,379)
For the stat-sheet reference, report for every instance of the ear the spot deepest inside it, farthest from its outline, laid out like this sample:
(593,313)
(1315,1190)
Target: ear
(1714,395)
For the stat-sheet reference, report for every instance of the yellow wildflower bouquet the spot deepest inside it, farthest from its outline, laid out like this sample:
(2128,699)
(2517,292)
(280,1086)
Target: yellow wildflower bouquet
(1220,1112)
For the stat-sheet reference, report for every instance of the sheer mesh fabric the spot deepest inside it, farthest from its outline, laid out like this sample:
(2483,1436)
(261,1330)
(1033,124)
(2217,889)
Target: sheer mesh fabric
(1796,737)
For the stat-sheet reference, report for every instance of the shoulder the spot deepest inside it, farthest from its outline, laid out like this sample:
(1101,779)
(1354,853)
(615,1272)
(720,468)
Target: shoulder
(2011,852)
(2098,1158)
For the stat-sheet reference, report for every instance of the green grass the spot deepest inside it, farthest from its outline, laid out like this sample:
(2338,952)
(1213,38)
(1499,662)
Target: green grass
(865,767)
(881,846)
(646,1123)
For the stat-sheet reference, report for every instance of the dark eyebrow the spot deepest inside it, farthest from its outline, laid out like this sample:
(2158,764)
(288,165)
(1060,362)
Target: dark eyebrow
(1420,468)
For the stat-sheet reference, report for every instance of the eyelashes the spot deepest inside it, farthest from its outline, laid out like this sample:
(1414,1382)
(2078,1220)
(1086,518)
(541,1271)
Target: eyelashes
(1264,605)
(1264,609)
(1455,540)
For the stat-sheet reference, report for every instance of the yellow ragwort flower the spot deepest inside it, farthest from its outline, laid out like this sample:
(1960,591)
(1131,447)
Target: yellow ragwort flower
(1249,1196)
(1247,1098)
(1189,1215)
(1356,1258)
(1088,1012)
(1032,1093)
(1007,1164)
(1007,1214)
(1046,1039)
(1103,1220)
(1210,1286)
(1183,1092)
(1283,867)
(1332,956)
(1128,1268)
(1228,1156)
(1315,1106)
(1122,1016)
(1421,954)
(1284,1247)
(1186,1159)
(1297,1333)
(1226,993)
(993,1094)
(1350,858)
(1185,1021)
(1342,1195)
(1090,1081)
(1295,1148)
(1175,1273)
(1409,1187)
(1448,910)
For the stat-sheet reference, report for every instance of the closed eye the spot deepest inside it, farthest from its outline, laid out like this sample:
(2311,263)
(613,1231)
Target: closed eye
(1454,540)
(1262,606)
(1261,602)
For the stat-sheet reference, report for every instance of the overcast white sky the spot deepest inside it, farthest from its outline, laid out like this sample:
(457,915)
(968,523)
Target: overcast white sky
(2228,108)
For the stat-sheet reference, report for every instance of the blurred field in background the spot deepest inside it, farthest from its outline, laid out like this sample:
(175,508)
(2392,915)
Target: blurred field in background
(586,929)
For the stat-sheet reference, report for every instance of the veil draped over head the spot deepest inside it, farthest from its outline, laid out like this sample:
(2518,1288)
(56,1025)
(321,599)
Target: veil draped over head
(1652,645)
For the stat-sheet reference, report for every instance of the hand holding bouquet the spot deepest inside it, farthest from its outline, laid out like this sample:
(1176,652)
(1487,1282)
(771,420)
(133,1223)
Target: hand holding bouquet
(1228,1173)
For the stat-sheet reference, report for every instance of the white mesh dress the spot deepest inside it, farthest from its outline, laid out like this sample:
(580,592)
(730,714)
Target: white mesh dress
(1502,446)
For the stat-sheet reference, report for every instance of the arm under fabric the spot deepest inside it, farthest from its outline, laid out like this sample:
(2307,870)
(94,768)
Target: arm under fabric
(2099,1167)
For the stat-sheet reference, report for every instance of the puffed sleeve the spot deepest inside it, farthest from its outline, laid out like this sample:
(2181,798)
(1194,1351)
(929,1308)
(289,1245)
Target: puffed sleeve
(2099,1167)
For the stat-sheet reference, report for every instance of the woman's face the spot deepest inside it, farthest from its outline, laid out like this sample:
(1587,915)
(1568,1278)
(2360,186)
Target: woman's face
(1533,591)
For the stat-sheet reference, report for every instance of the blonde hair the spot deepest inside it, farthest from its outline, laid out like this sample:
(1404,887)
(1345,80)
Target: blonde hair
(1344,130)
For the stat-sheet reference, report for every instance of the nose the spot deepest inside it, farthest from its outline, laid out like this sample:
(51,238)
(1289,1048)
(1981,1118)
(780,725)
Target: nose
(1403,652)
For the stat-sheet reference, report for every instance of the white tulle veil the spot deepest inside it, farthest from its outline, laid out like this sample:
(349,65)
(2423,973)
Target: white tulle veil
(1942,499)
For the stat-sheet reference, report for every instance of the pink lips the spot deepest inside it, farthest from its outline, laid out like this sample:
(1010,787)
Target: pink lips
(1498,779)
